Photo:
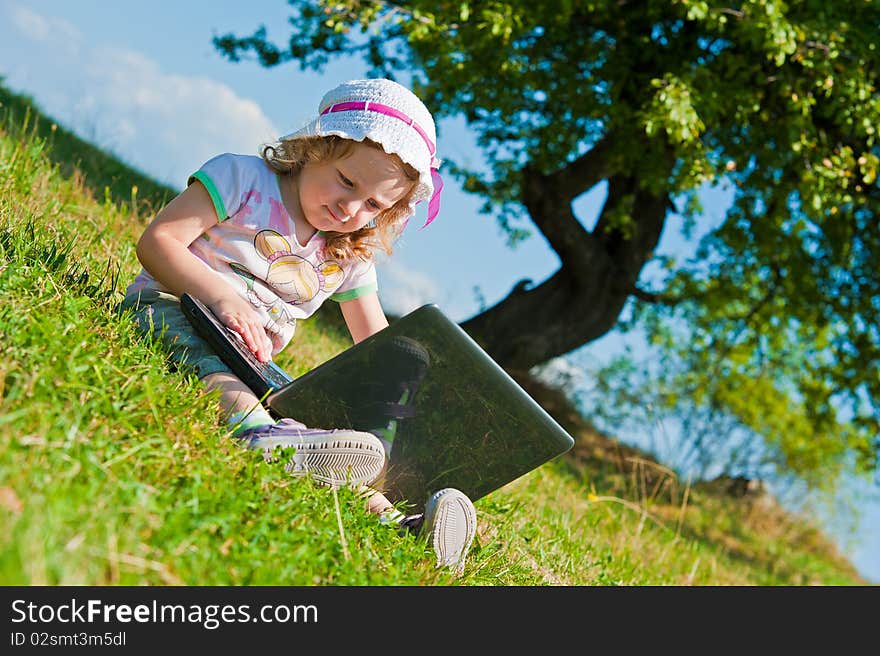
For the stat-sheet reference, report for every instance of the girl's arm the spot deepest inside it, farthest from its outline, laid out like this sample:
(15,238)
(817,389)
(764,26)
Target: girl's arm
(363,316)
(163,250)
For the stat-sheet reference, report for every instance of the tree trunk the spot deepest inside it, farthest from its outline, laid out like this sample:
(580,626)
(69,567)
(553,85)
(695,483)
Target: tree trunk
(584,298)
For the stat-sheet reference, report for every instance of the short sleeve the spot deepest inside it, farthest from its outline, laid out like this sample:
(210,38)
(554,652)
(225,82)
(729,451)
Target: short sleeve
(359,281)
(227,178)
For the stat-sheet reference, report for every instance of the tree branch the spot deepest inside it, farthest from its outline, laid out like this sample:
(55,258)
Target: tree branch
(583,173)
(547,198)
(655,298)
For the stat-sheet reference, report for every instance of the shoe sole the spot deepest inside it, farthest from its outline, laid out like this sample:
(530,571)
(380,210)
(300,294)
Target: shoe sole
(452,519)
(344,458)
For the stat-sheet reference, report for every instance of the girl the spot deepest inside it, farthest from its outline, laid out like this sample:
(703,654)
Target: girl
(264,241)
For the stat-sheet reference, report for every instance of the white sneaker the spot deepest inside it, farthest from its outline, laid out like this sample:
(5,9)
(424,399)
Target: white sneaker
(450,524)
(332,457)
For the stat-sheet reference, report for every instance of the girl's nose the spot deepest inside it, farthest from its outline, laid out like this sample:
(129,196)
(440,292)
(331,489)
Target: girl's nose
(348,208)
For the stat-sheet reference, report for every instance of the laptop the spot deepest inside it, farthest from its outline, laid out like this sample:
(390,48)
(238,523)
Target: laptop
(448,414)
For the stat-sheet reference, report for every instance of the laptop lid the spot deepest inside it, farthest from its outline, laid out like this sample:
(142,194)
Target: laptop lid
(452,415)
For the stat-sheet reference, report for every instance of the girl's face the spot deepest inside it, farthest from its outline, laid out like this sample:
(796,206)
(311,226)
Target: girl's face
(344,195)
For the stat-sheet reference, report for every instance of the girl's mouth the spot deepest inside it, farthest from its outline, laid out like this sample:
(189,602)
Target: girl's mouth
(335,218)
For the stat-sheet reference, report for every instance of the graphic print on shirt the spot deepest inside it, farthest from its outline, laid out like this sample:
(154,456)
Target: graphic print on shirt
(294,277)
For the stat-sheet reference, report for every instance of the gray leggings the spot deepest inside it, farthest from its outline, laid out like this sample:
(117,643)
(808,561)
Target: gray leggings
(158,314)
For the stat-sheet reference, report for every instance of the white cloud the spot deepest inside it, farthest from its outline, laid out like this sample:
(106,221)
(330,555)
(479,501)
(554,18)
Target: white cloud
(562,373)
(29,23)
(162,123)
(403,290)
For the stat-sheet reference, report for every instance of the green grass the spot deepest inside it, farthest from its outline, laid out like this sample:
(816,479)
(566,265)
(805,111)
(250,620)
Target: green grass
(116,471)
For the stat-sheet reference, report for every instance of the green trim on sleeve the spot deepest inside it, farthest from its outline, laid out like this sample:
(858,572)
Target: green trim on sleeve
(357,292)
(203,177)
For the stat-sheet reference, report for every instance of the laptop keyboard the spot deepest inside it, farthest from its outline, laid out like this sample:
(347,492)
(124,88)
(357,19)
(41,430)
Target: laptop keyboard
(270,371)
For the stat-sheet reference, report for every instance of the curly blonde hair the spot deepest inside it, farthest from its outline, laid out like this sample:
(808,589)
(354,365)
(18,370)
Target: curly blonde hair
(290,156)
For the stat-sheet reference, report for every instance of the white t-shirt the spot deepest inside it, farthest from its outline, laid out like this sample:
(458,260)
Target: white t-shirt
(254,248)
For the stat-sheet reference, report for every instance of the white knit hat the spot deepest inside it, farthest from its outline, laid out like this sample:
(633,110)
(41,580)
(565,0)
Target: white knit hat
(391,115)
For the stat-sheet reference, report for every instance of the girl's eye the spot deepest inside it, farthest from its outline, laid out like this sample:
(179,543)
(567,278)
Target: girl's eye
(345,181)
(374,205)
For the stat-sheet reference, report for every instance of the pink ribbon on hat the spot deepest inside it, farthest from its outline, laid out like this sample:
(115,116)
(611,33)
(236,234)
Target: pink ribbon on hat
(388,110)
(434,203)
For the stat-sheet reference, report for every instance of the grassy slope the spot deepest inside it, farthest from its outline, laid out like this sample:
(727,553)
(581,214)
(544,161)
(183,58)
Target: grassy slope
(115,471)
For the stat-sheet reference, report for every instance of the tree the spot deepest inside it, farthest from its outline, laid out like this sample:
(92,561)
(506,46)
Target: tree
(658,99)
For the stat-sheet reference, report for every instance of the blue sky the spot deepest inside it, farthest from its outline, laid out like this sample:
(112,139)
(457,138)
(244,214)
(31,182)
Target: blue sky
(142,79)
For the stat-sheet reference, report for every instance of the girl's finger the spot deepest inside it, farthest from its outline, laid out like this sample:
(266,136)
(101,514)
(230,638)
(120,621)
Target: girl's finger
(244,330)
(257,341)
(253,335)
(252,340)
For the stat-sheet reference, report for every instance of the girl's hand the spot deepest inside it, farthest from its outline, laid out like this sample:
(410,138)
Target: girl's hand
(240,316)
